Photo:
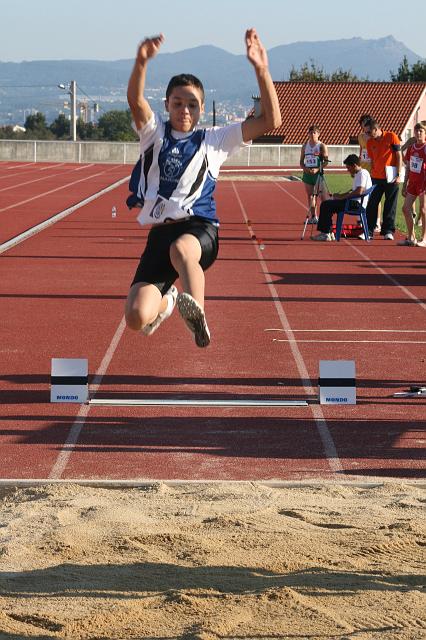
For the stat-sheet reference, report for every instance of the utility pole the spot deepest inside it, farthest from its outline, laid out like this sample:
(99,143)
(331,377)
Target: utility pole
(73,96)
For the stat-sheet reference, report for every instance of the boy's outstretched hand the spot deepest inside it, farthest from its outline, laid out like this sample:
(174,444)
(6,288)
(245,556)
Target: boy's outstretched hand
(148,48)
(256,52)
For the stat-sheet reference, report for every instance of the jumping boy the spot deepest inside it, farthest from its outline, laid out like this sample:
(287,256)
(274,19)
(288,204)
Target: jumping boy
(179,168)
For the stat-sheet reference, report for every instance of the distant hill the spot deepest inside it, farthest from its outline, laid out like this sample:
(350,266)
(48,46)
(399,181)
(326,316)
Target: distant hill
(229,75)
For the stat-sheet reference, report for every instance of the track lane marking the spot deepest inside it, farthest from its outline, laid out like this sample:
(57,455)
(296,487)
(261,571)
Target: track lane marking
(55,218)
(393,280)
(74,434)
(318,415)
(23,184)
(46,193)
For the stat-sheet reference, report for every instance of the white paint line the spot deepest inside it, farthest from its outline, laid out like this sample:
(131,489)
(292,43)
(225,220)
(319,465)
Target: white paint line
(23,184)
(358,482)
(170,402)
(46,193)
(58,216)
(64,456)
(323,430)
(60,164)
(395,282)
(353,330)
(355,341)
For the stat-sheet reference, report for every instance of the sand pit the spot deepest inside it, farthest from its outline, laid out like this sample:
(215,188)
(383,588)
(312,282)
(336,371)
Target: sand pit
(208,561)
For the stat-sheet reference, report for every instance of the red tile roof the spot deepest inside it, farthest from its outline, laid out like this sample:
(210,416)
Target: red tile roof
(336,107)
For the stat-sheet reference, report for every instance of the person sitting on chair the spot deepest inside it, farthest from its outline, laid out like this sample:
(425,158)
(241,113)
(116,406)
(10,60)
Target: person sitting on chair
(361,182)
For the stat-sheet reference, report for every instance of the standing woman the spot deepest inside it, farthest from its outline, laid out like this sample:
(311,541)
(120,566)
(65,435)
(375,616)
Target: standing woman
(313,156)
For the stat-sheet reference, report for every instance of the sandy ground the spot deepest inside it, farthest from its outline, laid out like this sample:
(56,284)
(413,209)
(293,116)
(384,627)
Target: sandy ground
(216,560)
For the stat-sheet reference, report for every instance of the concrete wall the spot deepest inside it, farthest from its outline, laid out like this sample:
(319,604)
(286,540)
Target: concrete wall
(128,153)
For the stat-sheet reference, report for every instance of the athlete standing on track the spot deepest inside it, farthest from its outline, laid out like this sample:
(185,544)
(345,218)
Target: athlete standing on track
(313,157)
(414,186)
(178,172)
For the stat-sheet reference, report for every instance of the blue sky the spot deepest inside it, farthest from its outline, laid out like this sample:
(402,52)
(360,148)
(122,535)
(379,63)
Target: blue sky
(110,30)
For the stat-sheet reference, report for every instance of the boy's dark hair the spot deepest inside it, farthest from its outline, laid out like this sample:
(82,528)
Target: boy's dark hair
(352,160)
(184,80)
(314,127)
(373,124)
(364,118)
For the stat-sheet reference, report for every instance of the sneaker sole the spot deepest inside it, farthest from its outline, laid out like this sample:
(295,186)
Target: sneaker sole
(194,318)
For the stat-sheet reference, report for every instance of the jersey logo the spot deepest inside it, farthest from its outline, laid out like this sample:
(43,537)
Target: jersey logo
(172,168)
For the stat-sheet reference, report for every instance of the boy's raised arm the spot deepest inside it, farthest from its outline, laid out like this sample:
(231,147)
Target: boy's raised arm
(139,106)
(270,117)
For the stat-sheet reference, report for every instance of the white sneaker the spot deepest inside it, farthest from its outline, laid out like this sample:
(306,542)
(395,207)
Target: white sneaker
(362,236)
(324,237)
(388,236)
(194,318)
(171,295)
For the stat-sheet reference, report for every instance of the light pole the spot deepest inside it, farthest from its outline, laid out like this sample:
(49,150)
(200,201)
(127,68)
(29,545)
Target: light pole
(73,95)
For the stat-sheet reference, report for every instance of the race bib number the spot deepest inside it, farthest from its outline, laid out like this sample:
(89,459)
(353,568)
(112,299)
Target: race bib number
(311,162)
(416,164)
(364,156)
(162,210)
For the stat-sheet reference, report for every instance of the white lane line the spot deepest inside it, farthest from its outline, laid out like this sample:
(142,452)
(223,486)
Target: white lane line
(46,193)
(355,341)
(407,292)
(58,216)
(365,257)
(74,434)
(323,430)
(353,330)
(23,184)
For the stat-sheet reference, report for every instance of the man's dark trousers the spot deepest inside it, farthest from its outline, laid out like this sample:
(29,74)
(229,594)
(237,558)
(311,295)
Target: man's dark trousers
(390,190)
(327,208)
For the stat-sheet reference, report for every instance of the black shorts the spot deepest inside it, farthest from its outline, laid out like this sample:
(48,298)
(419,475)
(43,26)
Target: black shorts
(155,266)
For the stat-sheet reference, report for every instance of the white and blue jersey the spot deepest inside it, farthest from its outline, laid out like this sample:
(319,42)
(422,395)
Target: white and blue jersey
(176,175)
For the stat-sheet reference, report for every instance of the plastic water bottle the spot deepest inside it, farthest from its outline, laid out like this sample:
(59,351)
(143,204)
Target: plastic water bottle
(114,212)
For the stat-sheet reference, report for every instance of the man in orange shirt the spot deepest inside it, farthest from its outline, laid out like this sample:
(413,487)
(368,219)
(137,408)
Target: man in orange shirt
(384,149)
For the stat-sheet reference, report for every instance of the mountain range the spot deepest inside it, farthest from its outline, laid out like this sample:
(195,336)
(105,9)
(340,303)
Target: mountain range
(228,75)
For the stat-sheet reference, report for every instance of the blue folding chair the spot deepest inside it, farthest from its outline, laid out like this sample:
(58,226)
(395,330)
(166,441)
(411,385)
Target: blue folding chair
(360,211)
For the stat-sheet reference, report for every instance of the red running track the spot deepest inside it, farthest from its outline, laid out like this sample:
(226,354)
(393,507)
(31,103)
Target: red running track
(273,315)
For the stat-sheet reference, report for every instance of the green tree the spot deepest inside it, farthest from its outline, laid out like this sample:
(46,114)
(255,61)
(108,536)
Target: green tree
(35,121)
(60,127)
(405,73)
(116,125)
(86,130)
(341,75)
(310,72)
(418,71)
(36,127)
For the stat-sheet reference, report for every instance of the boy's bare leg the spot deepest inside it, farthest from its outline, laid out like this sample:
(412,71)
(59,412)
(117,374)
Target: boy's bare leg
(185,255)
(407,210)
(143,305)
(422,216)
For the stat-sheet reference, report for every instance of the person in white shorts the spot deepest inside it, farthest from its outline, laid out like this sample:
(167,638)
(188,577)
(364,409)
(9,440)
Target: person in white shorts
(174,182)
